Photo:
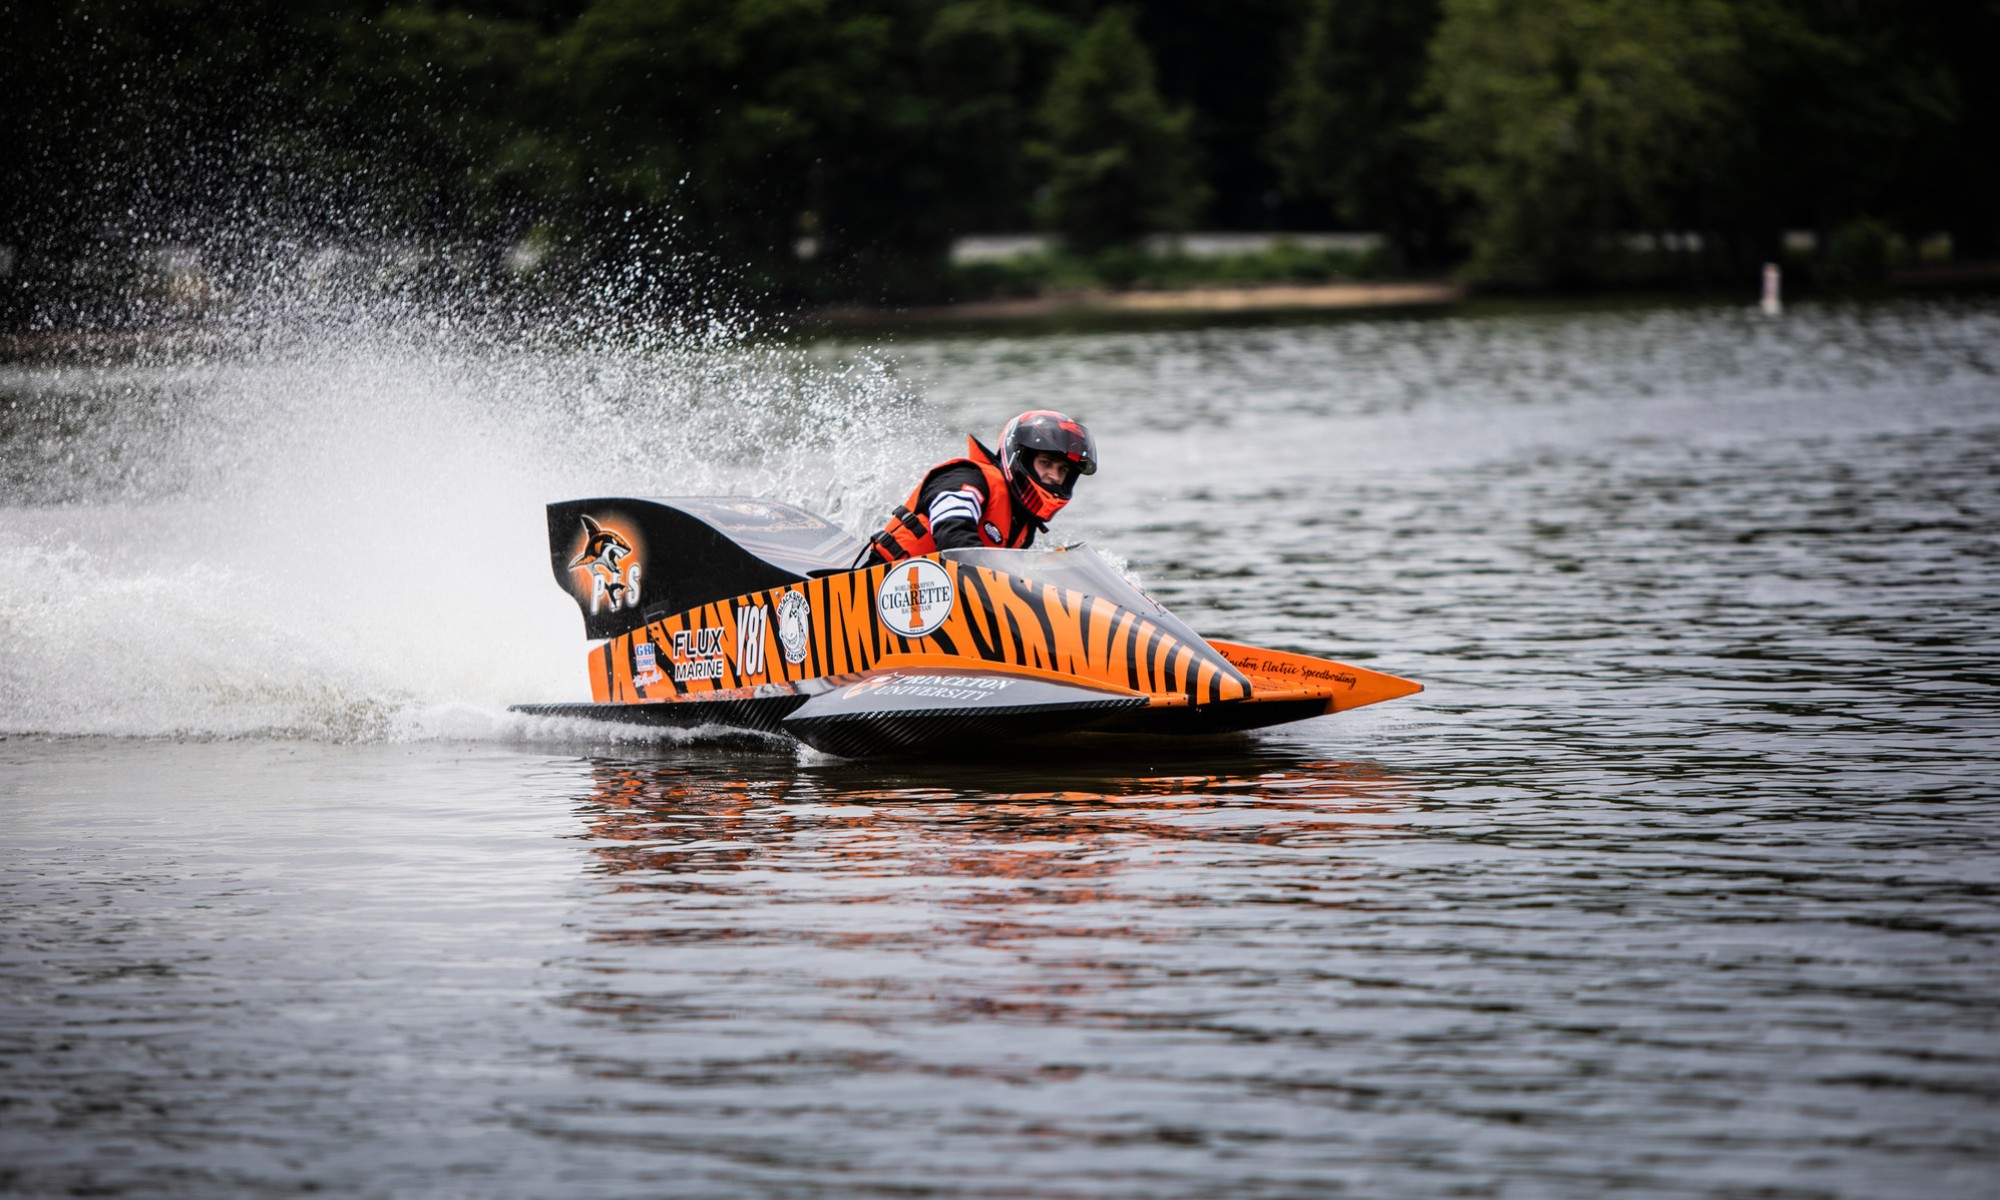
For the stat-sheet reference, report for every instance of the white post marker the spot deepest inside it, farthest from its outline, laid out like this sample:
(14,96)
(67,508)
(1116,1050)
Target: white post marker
(1771,304)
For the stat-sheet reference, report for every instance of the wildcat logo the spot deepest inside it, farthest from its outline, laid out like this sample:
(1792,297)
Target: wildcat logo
(794,626)
(611,566)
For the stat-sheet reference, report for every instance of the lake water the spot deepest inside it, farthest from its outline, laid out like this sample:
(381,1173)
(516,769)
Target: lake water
(1678,880)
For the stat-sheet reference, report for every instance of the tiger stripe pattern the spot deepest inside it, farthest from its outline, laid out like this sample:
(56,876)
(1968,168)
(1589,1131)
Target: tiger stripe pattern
(996,621)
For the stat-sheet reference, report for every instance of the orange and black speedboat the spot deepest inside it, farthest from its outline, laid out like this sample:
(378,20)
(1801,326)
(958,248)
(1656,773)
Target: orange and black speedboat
(752,614)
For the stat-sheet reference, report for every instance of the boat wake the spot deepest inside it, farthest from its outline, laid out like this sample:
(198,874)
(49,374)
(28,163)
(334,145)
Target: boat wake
(337,533)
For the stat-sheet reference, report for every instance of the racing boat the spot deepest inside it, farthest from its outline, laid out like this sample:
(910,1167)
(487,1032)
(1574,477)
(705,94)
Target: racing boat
(753,614)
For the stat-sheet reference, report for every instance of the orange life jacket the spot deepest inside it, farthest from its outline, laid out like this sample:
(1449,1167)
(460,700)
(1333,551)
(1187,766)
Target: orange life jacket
(1000,524)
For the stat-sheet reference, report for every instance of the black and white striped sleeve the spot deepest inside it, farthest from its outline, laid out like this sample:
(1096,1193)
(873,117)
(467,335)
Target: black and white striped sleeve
(955,503)
(963,504)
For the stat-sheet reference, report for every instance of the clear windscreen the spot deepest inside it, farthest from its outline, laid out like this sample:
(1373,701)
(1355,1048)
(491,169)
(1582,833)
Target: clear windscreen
(1079,569)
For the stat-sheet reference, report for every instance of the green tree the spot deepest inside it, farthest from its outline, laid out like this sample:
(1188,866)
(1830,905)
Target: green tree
(125,126)
(1873,116)
(411,118)
(697,117)
(935,149)
(1566,122)
(870,130)
(1221,59)
(1120,162)
(1346,135)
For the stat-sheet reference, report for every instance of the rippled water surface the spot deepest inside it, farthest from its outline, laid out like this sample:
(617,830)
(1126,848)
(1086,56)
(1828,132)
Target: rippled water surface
(1678,880)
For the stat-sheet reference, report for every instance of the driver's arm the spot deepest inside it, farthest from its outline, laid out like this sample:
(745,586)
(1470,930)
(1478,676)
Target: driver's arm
(955,500)
(955,518)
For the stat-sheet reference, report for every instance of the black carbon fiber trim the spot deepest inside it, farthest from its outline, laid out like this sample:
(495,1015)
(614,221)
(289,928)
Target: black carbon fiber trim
(858,735)
(1232,717)
(766,714)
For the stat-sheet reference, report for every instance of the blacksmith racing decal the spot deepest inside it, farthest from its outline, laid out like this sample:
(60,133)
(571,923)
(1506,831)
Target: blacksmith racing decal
(698,654)
(794,626)
(915,598)
(751,620)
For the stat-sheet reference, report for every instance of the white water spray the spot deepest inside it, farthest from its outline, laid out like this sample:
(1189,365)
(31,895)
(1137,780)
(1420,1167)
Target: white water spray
(333,529)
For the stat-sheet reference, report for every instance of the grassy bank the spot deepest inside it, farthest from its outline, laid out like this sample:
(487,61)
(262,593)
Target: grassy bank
(1129,268)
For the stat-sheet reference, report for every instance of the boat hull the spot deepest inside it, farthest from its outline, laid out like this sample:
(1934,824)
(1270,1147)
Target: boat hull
(961,648)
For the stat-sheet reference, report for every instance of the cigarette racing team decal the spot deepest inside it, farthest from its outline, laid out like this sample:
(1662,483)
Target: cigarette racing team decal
(609,566)
(794,626)
(915,598)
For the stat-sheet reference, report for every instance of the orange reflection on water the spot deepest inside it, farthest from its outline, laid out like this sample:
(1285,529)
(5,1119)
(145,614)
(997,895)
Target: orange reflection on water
(950,893)
(661,822)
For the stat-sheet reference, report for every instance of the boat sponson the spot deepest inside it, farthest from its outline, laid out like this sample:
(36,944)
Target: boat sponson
(900,710)
(764,713)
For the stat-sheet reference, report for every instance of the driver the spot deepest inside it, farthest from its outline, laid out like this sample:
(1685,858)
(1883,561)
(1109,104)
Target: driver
(988,499)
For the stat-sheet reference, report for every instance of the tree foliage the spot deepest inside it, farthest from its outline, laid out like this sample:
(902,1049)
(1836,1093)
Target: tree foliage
(1564,122)
(1346,133)
(1569,125)
(1120,162)
(831,149)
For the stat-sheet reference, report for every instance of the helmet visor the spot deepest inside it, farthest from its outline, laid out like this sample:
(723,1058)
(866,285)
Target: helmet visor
(1052,433)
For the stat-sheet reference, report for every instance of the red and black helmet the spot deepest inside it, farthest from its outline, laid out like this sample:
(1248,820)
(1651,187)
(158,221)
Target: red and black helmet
(1052,433)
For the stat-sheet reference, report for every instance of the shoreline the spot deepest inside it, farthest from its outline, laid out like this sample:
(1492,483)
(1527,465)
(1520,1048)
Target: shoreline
(1247,298)
(1097,304)
(1219,300)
